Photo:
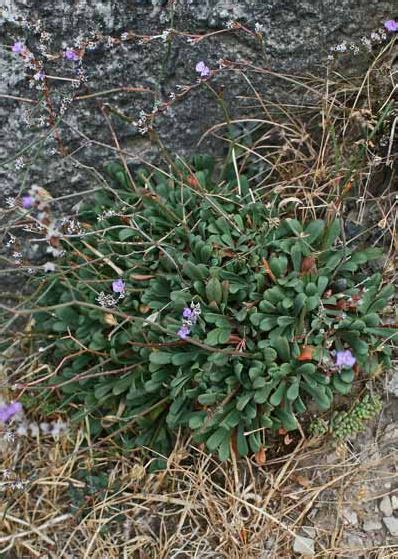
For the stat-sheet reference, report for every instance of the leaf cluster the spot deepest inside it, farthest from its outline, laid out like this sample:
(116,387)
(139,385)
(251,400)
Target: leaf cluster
(278,297)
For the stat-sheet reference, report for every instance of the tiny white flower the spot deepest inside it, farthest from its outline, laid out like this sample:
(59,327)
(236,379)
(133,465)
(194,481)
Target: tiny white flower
(45,428)
(19,163)
(10,202)
(34,429)
(49,267)
(22,430)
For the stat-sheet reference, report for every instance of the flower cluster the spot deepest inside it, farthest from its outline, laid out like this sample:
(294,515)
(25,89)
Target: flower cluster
(345,359)
(106,214)
(376,37)
(142,124)
(53,428)
(12,481)
(391,25)
(202,69)
(72,55)
(20,48)
(39,199)
(106,300)
(190,317)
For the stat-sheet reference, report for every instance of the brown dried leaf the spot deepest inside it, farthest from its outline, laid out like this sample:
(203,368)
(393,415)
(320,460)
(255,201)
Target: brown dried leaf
(303,481)
(141,277)
(110,319)
(308,265)
(288,439)
(261,457)
(306,353)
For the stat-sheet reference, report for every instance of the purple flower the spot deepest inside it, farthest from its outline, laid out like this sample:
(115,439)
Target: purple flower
(202,69)
(6,412)
(27,201)
(70,54)
(391,25)
(17,47)
(39,76)
(118,286)
(187,313)
(183,332)
(345,359)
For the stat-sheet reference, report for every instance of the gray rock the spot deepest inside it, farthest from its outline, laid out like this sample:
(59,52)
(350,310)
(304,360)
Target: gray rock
(390,435)
(385,506)
(391,524)
(304,546)
(310,531)
(269,544)
(297,37)
(394,502)
(393,385)
(371,525)
(350,516)
(353,541)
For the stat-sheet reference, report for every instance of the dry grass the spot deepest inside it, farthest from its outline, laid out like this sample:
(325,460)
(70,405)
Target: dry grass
(197,507)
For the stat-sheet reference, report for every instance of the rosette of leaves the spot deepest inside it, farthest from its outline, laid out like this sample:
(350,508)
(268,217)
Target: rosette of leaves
(277,297)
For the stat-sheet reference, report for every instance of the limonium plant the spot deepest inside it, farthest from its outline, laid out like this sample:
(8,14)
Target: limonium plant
(193,304)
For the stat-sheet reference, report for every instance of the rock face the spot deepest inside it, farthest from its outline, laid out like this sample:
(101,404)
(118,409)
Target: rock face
(297,36)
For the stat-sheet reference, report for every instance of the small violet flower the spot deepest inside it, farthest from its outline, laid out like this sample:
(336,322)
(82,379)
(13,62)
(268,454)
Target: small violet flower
(118,286)
(183,332)
(7,412)
(39,76)
(202,69)
(391,25)
(70,54)
(190,317)
(17,47)
(345,359)
(27,202)
(187,313)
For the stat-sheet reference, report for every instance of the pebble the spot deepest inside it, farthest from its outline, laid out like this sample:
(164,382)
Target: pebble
(391,524)
(304,546)
(350,516)
(394,502)
(393,385)
(332,458)
(310,531)
(385,506)
(354,542)
(390,434)
(371,525)
(269,544)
